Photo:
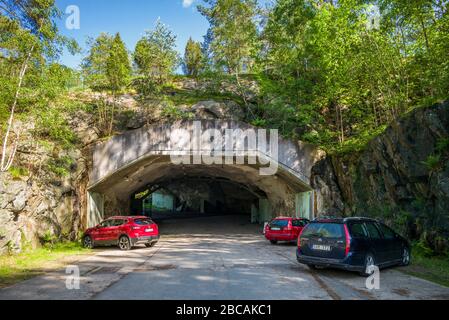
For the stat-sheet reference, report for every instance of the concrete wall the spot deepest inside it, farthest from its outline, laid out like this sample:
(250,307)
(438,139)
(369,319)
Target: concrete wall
(122,151)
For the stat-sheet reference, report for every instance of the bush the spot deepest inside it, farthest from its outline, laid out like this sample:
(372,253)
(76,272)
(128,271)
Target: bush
(18,172)
(423,249)
(61,167)
(48,239)
(51,124)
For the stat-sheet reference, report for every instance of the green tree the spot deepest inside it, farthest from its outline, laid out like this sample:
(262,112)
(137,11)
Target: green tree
(94,65)
(28,38)
(234,29)
(107,68)
(118,67)
(155,54)
(193,58)
(331,78)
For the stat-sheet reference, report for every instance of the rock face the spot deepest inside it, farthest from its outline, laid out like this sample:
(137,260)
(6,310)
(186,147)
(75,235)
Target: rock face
(328,192)
(212,110)
(42,203)
(391,179)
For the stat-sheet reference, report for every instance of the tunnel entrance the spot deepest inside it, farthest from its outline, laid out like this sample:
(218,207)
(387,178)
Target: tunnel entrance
(134,174)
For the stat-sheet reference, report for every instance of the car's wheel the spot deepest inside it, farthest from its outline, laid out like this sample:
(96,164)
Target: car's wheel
(368,267)
(124,243)
(88,243)
(273,242)
(405,257)
(150,245)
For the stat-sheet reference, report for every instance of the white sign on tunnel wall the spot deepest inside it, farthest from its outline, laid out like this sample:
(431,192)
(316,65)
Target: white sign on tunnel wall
(233,146)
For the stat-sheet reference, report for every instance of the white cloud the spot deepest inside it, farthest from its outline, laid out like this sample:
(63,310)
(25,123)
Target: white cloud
(187,3)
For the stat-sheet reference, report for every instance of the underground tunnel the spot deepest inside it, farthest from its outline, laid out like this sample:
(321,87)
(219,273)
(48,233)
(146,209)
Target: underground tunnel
(133,174)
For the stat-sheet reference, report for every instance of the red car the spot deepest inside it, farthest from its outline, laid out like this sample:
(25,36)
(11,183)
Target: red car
(124,232)
(284,229)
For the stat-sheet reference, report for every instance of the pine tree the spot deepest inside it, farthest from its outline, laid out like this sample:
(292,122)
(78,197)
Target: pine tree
(193,58)
(118,67)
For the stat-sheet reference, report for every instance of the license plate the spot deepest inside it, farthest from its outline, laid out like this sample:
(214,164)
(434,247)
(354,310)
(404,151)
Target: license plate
(276,229)
(149,230)
(321,247)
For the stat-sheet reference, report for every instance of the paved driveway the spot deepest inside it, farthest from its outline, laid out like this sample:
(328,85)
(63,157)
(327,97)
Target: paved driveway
(215,258)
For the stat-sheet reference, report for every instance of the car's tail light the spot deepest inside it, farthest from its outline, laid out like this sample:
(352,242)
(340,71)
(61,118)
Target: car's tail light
(348,241)
(135,228)
(299,238)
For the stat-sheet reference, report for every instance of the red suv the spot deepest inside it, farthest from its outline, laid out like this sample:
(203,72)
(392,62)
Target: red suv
(284,229)
(124,232)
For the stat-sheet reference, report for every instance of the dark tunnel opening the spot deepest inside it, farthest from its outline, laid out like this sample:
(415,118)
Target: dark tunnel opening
(196,196)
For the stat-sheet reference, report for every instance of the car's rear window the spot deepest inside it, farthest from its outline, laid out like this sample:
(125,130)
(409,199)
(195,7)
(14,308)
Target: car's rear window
(143,222)
(300,223)
(280,223)
(324,230)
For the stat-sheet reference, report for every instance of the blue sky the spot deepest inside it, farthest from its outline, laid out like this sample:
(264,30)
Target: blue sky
(131,18)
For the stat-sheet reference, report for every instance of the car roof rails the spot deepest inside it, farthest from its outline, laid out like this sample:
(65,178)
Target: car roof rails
(326,218)
(360,219)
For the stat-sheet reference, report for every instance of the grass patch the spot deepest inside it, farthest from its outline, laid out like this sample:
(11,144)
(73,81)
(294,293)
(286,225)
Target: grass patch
(191,97)
(18,172)
(434,269)
(30,263)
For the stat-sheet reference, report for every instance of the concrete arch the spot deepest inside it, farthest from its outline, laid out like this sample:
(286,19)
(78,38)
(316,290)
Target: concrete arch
(144,157)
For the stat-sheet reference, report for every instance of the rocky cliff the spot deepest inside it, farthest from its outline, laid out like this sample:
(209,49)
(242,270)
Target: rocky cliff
(401,177)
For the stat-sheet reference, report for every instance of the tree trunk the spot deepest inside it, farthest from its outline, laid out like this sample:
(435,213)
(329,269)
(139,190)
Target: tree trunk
(6,161)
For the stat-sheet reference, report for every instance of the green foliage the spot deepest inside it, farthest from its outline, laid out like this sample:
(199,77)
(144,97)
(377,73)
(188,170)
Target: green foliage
(48,239)
(18,172)
(436,161)
(29,263)
(50,124)
(423,249)
(233,33)
(432,162)
(155,55)
(118,67)
(259,123)
(61,166)
(94,64)
(191,97)
(107,65)
(173,112)
(442,146)
(193,59)
(29,76)
(342,82)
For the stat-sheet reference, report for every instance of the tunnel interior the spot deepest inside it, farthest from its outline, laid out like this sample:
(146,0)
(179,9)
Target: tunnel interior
(157,188)
(195,195)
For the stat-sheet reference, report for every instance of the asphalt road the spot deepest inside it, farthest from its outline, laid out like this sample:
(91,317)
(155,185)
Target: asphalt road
(215,258)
